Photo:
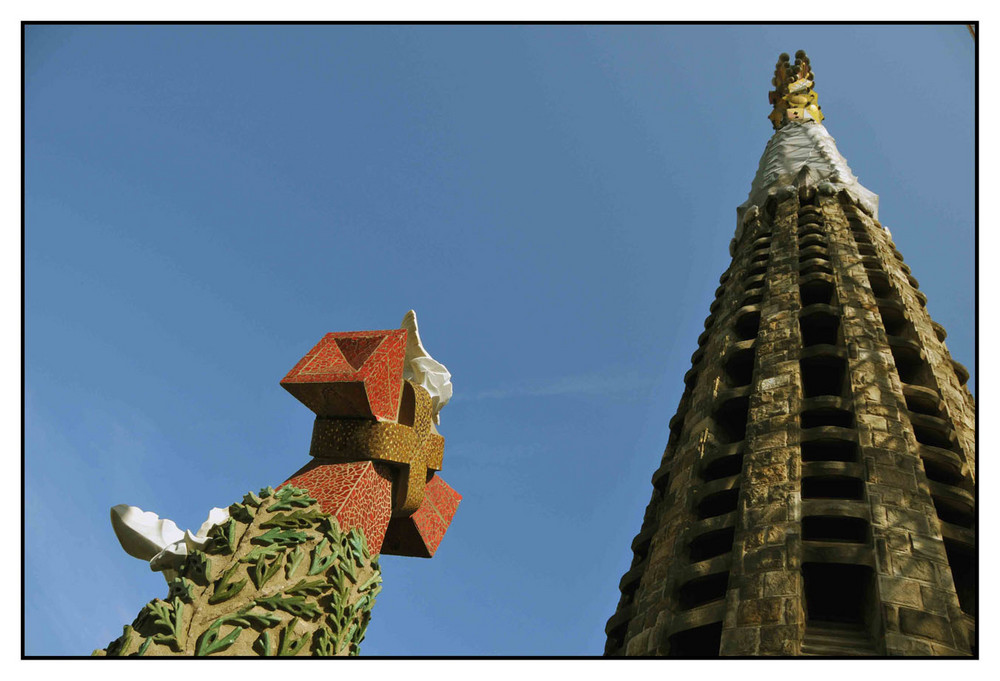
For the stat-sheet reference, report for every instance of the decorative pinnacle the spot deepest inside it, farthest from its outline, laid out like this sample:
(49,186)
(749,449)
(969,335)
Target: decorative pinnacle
(793,98)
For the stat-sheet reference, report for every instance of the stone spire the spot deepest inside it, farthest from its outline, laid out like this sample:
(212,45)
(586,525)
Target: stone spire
(816,496)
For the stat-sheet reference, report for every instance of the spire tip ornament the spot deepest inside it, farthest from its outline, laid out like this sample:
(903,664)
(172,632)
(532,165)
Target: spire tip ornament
(793,98)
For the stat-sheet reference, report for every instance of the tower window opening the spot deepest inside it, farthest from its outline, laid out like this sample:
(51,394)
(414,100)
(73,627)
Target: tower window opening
(770,206)
(866,249)
(856,225)
(723,467)
(757,269)
(756,285)
(871,264)
(921,403)
(837,593)
(951,512)
(762,258)
(711,544)
(893,320)
(762,244)
(816,291)
(834,528)
(748,325)
(880,284)
(829,450)
(814,418)
(739,367)
(819,329)
(753,298)
(731,419)
(936,472)
(962,560)
(823,376)
(933,436)
(910,368)
(832,487)
(700,642)
(718,503)
(702,590)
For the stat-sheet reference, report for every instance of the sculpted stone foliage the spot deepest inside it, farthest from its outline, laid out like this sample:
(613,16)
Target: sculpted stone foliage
(277,578)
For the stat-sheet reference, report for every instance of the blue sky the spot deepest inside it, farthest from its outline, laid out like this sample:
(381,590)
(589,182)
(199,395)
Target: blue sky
(202,204)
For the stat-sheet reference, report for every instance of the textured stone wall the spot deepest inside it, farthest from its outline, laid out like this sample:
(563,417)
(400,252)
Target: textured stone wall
(815,495)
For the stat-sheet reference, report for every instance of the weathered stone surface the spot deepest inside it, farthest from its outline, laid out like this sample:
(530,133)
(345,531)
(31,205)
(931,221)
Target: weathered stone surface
(925,624)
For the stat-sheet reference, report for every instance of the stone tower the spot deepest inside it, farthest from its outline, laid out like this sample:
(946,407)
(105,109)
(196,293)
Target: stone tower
(816,495)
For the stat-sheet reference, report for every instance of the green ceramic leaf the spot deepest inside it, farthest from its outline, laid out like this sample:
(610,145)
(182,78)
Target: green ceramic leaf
(292,560)
(263,569)
(295,605)
(319,562)
(290,644)
(224,589)
(262,646)
(281,537)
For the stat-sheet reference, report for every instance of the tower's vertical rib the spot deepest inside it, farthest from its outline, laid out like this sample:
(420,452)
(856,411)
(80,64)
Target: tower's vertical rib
(816,496)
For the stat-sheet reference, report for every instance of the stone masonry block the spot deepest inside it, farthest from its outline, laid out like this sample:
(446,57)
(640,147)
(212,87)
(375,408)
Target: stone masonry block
(912,567)
(762,611)
(739,642)
(779,640)
(918,623)
(901,591)
(907,519)
(780,583)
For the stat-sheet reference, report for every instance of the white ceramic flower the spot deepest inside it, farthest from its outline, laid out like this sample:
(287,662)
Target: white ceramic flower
(146,536)
(423,369)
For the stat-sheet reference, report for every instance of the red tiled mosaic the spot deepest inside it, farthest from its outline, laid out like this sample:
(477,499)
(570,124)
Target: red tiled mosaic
(421,533)
(359,375)
(357,494)
(352,374)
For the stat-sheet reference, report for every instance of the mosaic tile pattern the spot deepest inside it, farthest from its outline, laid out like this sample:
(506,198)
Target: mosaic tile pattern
(414,449)
(421,533)
(358,495)
(354,374)
(374,443)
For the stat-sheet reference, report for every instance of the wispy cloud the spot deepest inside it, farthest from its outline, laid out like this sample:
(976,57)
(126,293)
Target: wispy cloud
(582,385)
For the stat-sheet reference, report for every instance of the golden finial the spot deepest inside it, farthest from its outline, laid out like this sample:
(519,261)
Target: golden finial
(793,97)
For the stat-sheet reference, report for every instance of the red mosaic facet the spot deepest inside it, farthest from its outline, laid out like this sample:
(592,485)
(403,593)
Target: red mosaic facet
(357,494)
(352,374)
(421,533)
